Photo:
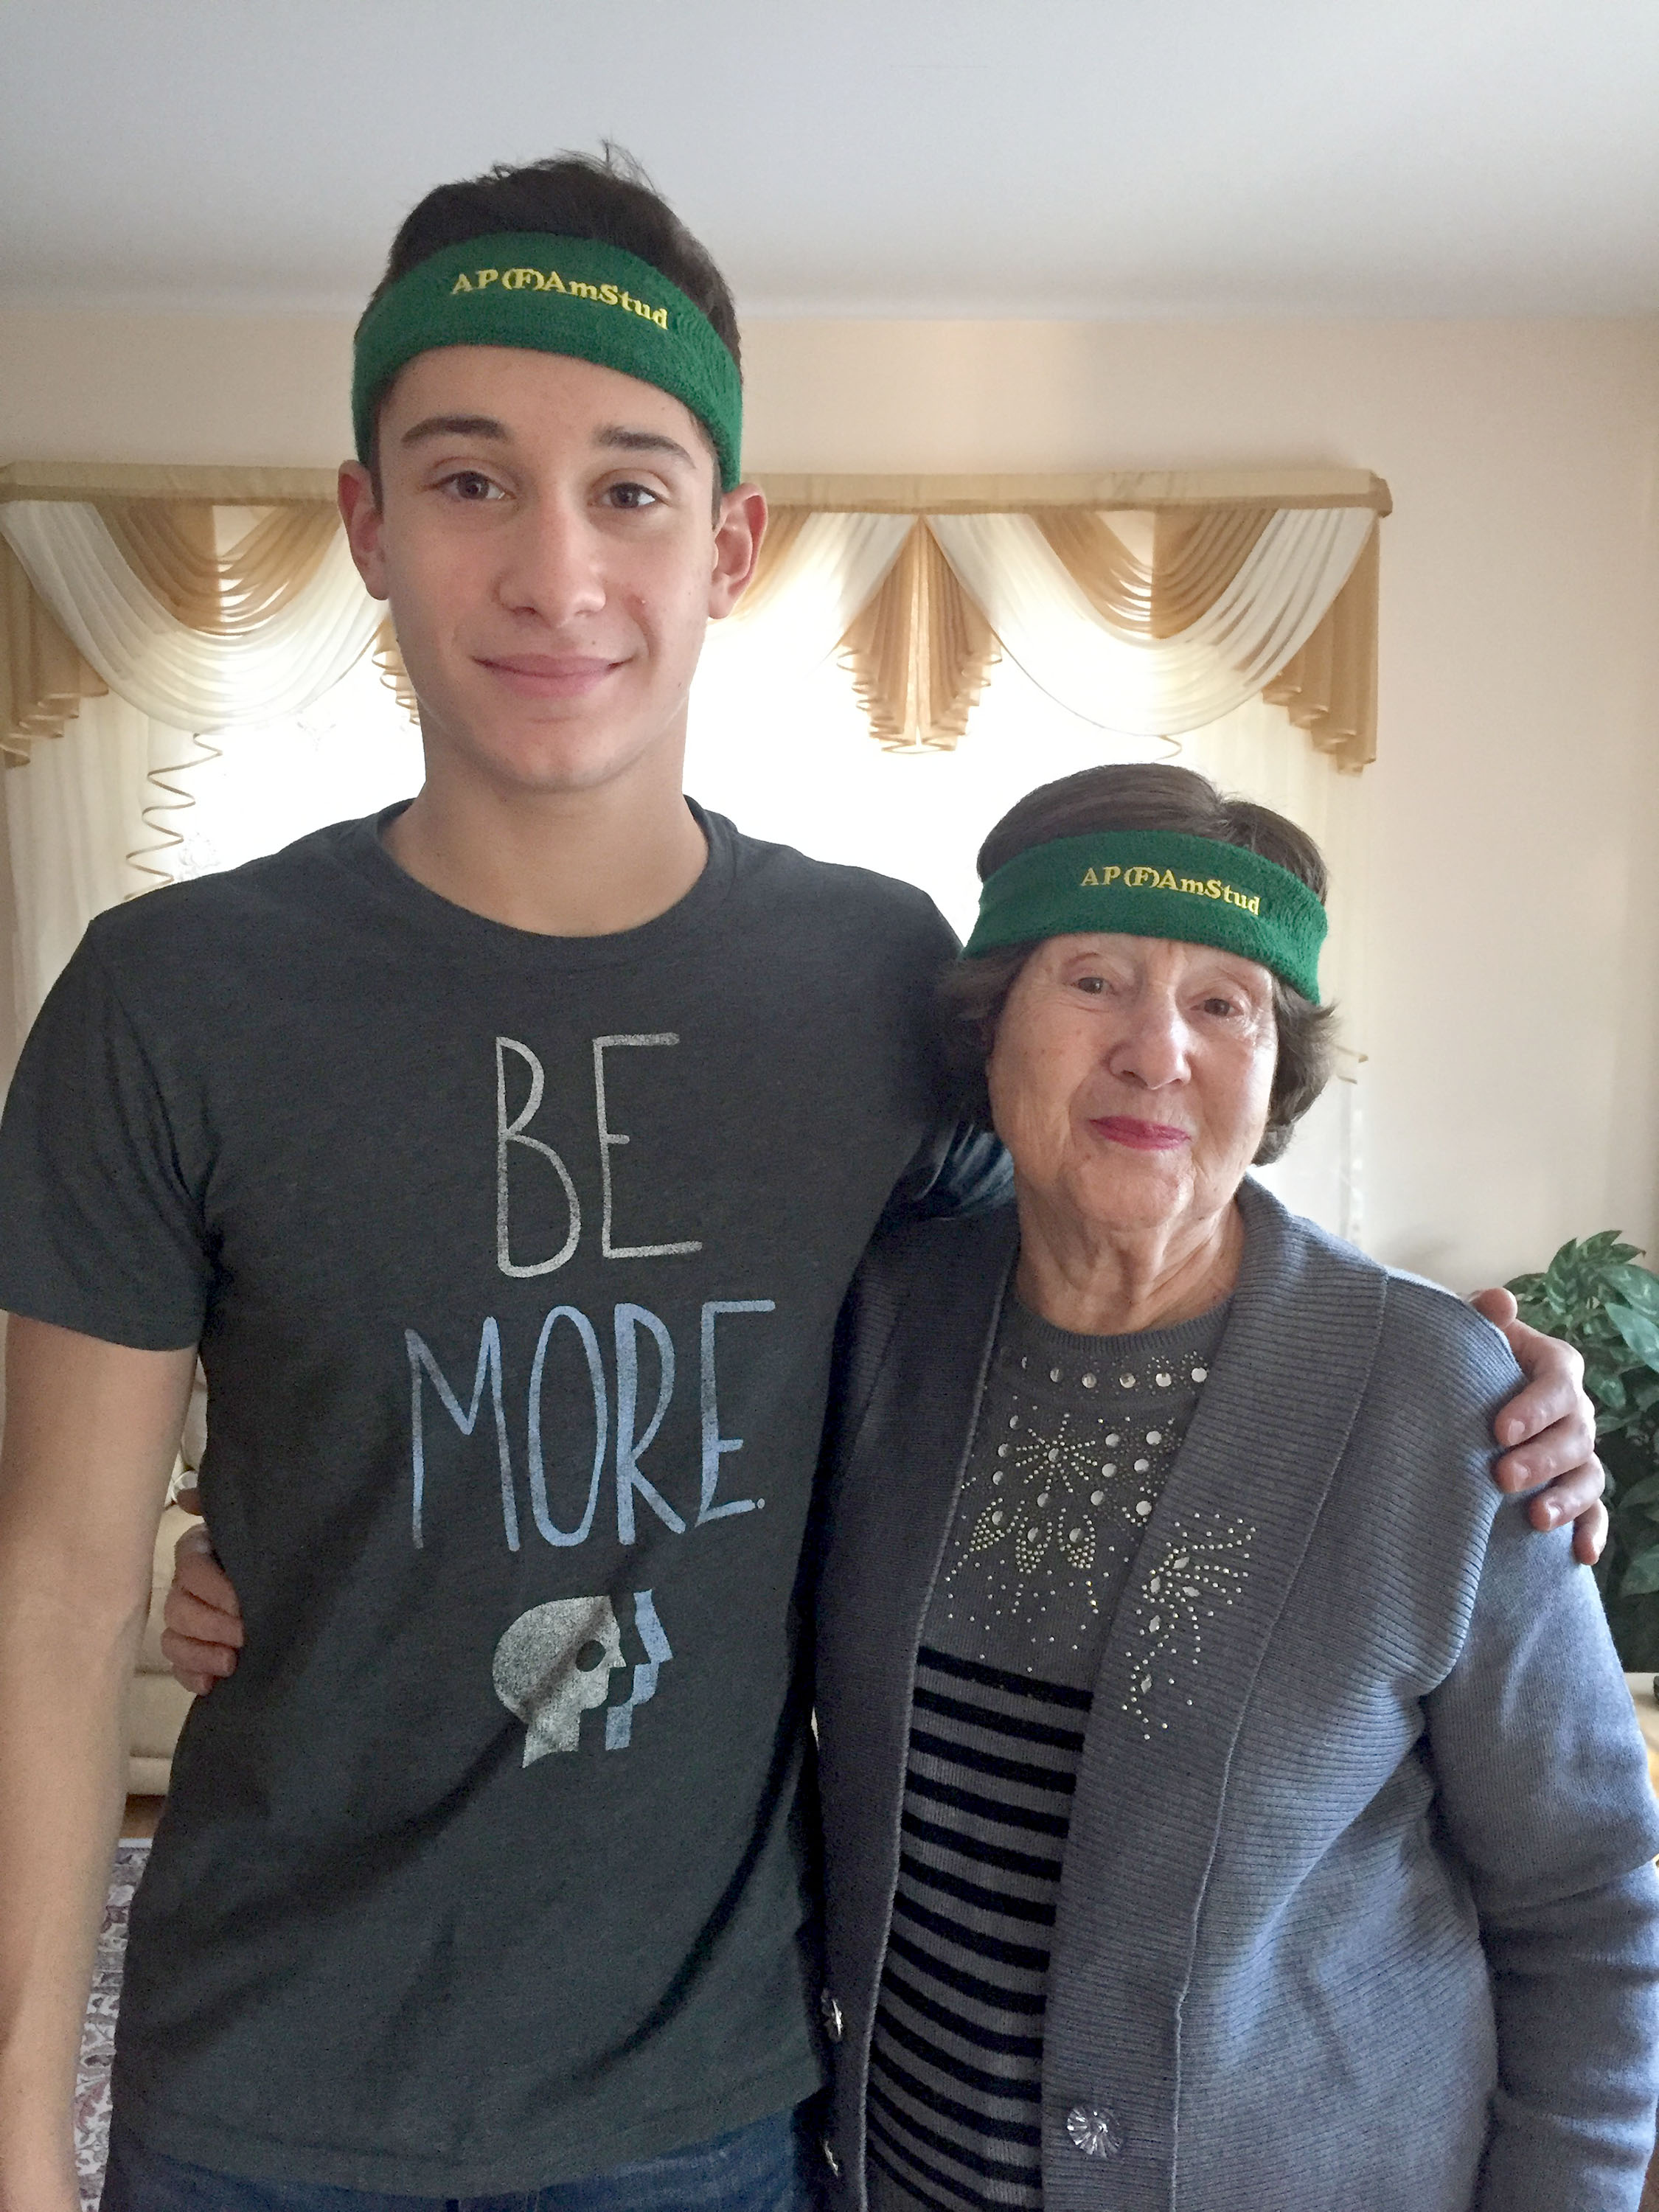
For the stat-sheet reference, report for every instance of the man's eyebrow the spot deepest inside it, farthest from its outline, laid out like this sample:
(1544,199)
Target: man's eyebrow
(621,439)
(455,426)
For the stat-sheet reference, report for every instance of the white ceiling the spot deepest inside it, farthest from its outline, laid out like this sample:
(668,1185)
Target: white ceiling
(890,157)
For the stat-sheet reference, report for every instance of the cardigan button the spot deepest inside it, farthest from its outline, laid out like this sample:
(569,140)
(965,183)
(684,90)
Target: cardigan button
(1094,2130)
(830,2014)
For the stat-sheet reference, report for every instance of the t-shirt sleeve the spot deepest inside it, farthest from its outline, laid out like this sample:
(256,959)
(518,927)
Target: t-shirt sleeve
(100,1231)
(959,1169)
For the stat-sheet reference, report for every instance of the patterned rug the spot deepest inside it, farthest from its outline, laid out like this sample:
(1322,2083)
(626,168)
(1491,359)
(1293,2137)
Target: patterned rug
(98,2039)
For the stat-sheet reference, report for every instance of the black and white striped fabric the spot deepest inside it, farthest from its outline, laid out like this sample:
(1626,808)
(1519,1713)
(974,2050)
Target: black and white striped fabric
(1076,1436)
(956,2066)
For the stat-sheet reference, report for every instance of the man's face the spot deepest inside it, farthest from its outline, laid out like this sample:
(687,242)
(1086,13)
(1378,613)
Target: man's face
(550,541)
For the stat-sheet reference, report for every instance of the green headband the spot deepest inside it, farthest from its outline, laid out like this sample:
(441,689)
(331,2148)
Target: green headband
(568,295)
(1157,883)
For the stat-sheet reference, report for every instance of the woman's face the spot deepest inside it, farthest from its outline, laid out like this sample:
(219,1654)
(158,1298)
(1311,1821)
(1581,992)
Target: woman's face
(1130,1077)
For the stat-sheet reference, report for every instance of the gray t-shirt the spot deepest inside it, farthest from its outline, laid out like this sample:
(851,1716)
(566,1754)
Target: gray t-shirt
(1075,1439)
(514,1262)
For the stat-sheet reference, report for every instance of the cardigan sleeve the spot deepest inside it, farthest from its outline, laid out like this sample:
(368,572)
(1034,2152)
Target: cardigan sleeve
(1543,1788)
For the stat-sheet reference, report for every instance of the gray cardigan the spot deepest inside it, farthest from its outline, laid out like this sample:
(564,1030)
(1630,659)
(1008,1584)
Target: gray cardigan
(1358,1912)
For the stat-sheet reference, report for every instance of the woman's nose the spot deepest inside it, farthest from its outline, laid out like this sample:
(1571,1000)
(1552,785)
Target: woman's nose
(1152,1050)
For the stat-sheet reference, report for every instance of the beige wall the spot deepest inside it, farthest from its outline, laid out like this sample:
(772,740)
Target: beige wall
(1513,1094)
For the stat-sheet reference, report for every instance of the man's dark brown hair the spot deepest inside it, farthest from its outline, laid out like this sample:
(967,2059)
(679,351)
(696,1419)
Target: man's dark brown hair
(1151,796)
(606,196)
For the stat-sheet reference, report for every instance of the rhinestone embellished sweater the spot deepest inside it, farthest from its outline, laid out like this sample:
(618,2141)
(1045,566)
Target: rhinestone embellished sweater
(1076,1436)
(1357,1904)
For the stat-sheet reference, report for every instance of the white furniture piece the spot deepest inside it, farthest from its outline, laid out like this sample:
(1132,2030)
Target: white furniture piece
(156,1704)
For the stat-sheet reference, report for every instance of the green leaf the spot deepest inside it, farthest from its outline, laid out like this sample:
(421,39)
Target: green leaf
(1645,1493)
(1642,1575)
(1638,1330)
(1636,1286)
(1607,1387)
(1604,1245)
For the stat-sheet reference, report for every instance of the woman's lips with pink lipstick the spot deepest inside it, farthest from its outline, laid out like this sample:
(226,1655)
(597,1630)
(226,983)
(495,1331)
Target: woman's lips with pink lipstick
(548,675)
(1140,1136)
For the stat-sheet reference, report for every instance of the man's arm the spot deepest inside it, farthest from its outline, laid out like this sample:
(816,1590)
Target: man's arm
(91,1433)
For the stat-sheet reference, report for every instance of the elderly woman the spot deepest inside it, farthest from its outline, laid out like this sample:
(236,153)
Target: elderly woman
(1228,1803)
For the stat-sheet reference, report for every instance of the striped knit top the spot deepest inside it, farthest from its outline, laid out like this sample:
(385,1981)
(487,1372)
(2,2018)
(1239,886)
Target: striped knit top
(1076,1436)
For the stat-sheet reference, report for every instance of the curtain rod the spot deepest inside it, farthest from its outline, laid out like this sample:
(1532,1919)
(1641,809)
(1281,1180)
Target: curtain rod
(228,486)
(826,494)
(1101,491)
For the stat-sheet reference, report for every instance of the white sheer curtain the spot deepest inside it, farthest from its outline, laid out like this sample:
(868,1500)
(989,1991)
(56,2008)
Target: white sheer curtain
(121,803)
(188,679)
(1144,686)
(835,564)
(791,759)
(92,817)
(82,820)
(1254,752)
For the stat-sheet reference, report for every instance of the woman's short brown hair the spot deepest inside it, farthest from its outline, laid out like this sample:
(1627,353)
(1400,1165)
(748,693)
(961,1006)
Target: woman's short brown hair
(1147,796)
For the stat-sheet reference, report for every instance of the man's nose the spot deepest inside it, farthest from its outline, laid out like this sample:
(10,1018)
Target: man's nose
(553,567)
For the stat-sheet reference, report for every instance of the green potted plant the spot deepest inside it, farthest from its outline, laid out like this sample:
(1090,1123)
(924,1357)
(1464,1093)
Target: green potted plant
(1594,1294)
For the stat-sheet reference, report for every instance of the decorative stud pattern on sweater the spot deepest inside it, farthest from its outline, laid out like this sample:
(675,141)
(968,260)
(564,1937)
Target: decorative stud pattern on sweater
(1162,1624)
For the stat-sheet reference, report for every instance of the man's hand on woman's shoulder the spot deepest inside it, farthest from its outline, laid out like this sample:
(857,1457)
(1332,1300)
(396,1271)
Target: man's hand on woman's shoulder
(1549,1432)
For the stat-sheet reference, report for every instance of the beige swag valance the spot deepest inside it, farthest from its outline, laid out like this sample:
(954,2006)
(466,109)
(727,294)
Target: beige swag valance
(1151,604)
(208,598)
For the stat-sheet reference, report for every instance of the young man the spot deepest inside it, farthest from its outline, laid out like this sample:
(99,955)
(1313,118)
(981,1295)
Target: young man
(506,1159)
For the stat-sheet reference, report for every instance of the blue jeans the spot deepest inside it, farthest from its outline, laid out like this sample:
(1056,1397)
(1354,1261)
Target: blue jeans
(768,2168)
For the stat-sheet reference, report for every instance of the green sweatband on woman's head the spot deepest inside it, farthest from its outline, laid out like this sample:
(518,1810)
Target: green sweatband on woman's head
(569,295)
(1157,883)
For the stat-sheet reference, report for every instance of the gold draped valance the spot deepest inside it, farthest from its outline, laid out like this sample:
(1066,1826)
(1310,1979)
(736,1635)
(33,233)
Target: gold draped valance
(1150,553)
(43,678)
(921,652)
(173,545)
(224,551)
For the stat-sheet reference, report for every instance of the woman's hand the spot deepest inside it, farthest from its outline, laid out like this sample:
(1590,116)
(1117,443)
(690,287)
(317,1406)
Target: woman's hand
(204,1631)
(1550,1431)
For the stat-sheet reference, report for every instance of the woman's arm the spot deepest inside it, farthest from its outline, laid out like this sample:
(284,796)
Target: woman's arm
(1543,1786)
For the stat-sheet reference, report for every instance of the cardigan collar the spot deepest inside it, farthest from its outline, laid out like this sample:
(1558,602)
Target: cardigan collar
(1214,1571)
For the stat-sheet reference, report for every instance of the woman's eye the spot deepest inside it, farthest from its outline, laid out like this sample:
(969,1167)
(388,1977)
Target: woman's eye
(1093,984)
(1219,1006)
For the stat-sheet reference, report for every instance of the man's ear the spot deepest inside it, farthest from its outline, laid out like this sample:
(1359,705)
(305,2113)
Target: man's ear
(361,513)
(739,529)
